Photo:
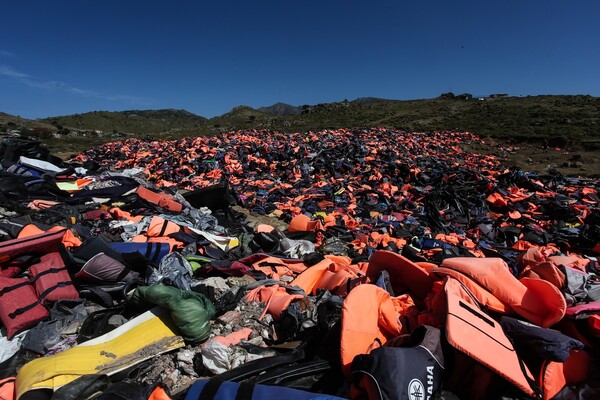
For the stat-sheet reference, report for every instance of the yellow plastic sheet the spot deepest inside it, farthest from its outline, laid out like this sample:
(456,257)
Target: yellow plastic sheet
(140,339)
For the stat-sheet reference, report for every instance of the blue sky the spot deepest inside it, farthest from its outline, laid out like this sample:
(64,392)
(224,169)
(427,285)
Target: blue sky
(65,57)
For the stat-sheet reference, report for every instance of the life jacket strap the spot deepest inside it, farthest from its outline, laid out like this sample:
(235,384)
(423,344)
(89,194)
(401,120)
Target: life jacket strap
(153,252)
(210,389)
(13,287)
(272,265)
(123,274)
(45,293)
(31,281)
(163,228)
(532,383)
(245,391)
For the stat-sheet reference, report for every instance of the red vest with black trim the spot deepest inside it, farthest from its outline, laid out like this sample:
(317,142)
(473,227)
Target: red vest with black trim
(22,300)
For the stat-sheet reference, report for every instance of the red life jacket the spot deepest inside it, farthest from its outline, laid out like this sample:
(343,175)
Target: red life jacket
(38,244)
(22,299)
(19,305)
(52,280)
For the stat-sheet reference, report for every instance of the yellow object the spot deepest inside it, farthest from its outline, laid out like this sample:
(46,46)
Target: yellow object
(275,214)
(68,186)
(140,339)
(224,243)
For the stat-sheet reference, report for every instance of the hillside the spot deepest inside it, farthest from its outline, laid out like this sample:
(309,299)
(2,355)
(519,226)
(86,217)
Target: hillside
(572,121)
(139,122)
(10,122)
(241,117)
(559,119)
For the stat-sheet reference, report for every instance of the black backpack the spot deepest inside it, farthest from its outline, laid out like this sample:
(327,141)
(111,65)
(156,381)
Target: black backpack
(409,367)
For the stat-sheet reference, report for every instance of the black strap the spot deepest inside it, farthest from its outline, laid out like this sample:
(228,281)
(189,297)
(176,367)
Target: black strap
(210,389)
(245,391)
(13,287)
(104,298)
(45,293)
(32,280)
(156,251)
(252,368)
(532,383)
(405,322)
(163,228)
(46,272)
(348,287)
(152,251)
(272,265)
(123,274)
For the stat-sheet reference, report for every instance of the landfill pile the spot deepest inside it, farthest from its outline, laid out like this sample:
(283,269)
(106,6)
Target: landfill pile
(351,263)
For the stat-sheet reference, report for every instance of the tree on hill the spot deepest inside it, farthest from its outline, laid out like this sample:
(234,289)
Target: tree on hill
(447,96)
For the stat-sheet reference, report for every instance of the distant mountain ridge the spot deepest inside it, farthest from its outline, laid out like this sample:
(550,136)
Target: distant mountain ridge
(282,109)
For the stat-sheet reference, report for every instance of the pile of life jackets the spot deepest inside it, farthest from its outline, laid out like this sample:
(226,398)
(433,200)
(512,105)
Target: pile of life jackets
(409,269)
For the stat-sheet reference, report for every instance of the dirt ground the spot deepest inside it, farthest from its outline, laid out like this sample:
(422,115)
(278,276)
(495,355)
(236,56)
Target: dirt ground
(534,158)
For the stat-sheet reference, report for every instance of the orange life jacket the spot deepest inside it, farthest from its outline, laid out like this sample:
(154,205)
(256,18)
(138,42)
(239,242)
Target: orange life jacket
(68,240)
(276,298)
(161,227)
(370,316)
(334,277)
(7,389)
(471,331)
(553,376)
(481,295)
(160,199)
(303,223)
(539,301)
(275,268)
(159,393)
(404,274)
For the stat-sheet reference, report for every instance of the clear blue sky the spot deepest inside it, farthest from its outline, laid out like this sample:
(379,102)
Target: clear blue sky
(63,57)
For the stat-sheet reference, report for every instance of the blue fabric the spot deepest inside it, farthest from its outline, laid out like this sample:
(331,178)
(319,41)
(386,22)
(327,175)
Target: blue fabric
(152,251)
(535,341)
(228,391)
(25,170)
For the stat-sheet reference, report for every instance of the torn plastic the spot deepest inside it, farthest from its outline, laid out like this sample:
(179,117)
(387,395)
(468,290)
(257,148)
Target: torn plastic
(65,318)
(173,270)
